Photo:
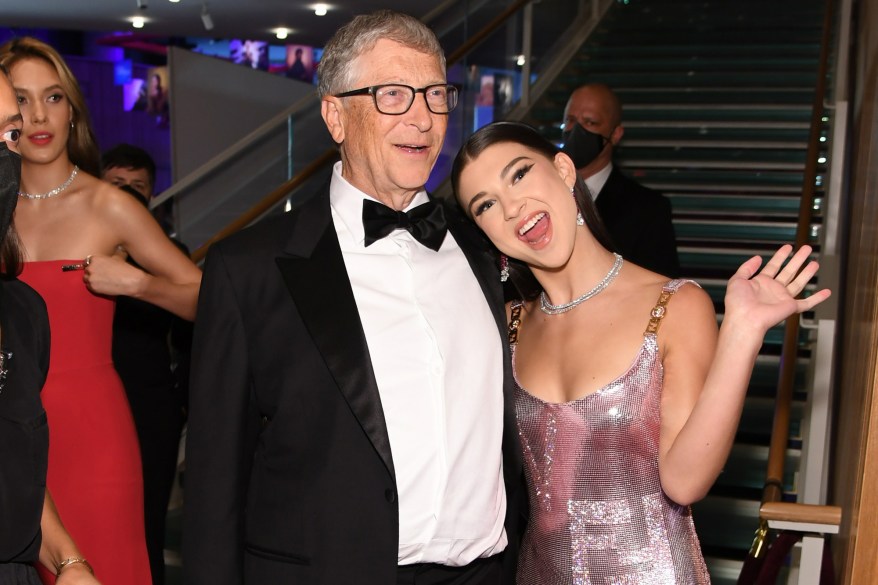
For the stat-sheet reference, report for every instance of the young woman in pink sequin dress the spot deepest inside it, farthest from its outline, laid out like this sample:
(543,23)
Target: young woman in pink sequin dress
(627,396)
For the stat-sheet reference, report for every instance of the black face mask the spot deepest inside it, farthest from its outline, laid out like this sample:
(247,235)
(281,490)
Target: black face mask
(581,145)
(10,177)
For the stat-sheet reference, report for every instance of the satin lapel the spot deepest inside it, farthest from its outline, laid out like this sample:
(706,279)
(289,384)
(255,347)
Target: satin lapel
(316,277)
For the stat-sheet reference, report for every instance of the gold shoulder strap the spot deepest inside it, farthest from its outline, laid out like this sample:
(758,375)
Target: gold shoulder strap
(659,310)
(514,323)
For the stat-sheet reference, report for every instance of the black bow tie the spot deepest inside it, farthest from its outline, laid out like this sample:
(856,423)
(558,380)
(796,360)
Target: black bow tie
(425,222)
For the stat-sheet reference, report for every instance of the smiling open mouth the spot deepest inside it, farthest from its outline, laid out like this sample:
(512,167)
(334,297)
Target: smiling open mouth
(531,223)
(412,147)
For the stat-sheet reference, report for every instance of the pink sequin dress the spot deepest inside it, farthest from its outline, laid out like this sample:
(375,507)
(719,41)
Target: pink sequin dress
(598,515)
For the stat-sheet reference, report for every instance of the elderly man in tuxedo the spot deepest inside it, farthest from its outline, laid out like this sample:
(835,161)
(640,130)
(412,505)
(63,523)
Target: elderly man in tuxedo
(637,218)
(350,416)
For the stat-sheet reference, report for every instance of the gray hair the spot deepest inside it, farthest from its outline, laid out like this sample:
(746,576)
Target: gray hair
(335,73)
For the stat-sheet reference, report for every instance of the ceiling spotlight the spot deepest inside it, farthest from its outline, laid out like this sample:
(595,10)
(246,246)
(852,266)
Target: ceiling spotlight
(175,1)
(205,18)
(138,22)
(320,9)
(282,33)
(520,61)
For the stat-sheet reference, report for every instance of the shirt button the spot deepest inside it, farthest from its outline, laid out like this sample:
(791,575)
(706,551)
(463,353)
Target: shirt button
(389,495)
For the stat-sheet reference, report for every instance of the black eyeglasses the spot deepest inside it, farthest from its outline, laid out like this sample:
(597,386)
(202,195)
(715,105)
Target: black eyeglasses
(395,99)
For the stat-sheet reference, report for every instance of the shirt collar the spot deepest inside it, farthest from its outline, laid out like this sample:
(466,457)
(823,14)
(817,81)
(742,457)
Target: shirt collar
(597,181)
(346,202)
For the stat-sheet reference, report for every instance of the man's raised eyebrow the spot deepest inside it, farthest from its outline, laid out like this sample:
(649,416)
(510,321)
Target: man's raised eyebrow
(14,118)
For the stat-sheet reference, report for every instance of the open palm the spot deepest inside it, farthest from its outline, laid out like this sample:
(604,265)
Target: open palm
(766,297)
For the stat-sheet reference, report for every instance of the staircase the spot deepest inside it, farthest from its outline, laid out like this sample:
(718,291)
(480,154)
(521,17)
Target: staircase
(717,102)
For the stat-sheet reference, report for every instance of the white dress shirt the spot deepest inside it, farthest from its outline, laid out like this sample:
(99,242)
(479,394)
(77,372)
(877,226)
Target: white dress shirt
(597,181)
(438,361)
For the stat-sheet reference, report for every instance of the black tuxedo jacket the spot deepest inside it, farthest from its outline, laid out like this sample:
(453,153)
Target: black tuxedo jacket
(290,477)
(639,222)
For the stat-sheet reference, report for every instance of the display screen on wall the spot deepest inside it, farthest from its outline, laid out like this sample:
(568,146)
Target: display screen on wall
(253,54)
(300,63)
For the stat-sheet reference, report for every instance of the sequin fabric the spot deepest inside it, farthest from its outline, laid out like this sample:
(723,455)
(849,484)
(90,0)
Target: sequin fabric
(598,515)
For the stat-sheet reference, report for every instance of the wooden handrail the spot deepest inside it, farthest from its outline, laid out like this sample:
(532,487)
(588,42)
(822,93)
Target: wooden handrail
(801,513)
(267,202)
(331,154)
(773,492)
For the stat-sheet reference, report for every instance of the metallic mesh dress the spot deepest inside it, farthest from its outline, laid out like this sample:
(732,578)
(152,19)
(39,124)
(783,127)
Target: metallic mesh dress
(598,515)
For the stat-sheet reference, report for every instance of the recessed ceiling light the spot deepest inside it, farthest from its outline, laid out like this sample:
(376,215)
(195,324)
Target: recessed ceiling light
(281,33)
(520,61)
(138,22)
(320,9)
(175,1)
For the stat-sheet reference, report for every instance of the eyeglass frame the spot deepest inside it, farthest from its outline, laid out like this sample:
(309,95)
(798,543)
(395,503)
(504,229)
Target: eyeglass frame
(370,90)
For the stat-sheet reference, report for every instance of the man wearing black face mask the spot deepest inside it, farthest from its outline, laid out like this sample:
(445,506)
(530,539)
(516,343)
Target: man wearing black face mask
(637,218)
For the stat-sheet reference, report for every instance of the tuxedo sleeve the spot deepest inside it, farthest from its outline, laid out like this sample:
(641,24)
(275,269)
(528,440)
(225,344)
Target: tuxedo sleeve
(221,433)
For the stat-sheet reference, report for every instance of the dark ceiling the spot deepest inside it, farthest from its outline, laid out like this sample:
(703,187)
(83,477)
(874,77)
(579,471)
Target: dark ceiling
(250,19)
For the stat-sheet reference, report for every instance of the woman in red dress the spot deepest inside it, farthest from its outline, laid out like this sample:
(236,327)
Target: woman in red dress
(72,226)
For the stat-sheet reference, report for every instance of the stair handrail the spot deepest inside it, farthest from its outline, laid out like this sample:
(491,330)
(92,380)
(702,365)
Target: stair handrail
(772,506)
(267,202)
(277,195)
(229,154)
(773,488)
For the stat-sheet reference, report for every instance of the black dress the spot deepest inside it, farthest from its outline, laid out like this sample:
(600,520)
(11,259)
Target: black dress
(24,432)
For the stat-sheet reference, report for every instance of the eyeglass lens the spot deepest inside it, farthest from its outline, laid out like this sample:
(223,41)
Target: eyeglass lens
(397,99)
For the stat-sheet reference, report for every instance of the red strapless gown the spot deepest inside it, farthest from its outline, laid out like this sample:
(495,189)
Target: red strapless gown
(94,458)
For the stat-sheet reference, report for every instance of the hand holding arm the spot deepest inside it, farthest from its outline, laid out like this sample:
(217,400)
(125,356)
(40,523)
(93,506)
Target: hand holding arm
(111,275)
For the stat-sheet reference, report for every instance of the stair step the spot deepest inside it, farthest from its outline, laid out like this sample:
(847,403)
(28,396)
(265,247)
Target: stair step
(685,96)
(714,164)
(753,135)
(727,523)
(716,261)
(695,187)
(715,143)
(723,571)
(730,206)
(766,79)
(735,231)
(728,50)
(647,63)
(688,155)
(731,179)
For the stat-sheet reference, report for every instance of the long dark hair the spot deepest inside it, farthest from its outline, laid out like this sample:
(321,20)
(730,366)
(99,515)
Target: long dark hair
(11,256)
(518,133)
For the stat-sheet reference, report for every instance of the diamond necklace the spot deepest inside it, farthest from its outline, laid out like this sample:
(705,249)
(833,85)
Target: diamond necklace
(550,309)
(56,191)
